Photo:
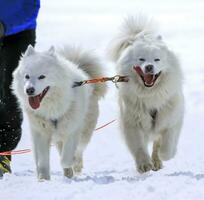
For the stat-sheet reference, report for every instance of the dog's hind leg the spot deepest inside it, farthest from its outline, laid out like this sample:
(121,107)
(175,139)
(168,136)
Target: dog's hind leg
(157,163)
(169,141)
(41,147)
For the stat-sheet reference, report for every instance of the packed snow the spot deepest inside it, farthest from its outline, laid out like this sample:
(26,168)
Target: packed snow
(109,171)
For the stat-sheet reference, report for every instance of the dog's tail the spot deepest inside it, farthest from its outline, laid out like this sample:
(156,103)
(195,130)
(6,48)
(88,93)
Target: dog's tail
(131,29)
(88,62)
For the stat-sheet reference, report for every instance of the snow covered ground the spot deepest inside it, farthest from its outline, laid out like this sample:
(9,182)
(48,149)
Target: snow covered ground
(109,171)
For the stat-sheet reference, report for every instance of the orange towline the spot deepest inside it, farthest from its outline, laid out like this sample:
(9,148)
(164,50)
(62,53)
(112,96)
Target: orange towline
(24,151)
(105,125)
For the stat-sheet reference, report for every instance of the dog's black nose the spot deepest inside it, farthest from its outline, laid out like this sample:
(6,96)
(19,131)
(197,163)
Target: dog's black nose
(149,69)
(30,91)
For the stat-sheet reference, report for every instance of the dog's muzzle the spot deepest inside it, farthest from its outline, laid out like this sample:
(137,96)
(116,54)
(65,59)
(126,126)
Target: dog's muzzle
(35,101)
(148,77)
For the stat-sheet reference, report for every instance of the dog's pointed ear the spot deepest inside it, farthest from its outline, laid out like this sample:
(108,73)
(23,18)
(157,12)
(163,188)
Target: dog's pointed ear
(30,51)
(51,50)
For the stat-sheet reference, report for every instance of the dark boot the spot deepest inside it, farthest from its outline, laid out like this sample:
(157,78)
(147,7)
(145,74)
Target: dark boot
(4,165)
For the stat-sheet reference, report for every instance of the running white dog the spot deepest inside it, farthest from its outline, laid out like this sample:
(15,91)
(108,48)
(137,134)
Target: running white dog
(57,111)
(151,103)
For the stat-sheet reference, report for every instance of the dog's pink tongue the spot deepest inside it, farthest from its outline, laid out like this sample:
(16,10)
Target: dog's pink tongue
(149,79)
(34,102)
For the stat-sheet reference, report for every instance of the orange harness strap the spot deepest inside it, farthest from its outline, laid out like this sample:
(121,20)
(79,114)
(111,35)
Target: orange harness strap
(114,79)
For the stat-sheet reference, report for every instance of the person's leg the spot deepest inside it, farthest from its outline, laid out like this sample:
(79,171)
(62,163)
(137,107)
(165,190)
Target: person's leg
(12,48)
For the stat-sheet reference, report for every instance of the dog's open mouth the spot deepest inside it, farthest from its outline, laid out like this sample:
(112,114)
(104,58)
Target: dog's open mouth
(148,79)
(35,101)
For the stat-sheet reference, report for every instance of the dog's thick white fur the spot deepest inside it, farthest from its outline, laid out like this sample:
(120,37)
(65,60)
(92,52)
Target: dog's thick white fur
(61,114)
(152,102)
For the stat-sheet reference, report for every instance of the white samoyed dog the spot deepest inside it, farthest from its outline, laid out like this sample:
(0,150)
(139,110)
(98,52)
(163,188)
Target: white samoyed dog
(57,111)
(152,102)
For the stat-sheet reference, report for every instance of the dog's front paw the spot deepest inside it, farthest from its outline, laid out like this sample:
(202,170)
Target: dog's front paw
(43,177)
(157,164)
(144,167)
(78,167)
(68,172)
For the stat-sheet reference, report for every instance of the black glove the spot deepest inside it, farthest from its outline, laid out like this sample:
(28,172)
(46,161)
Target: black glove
(1,30)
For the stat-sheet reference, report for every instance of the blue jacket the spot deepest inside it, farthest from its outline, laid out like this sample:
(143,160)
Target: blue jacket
(18,15)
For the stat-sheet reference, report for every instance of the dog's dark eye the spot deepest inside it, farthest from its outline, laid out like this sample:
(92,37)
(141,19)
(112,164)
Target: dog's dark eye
(157,60)
(41,77)
(142,59)
(27,76)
